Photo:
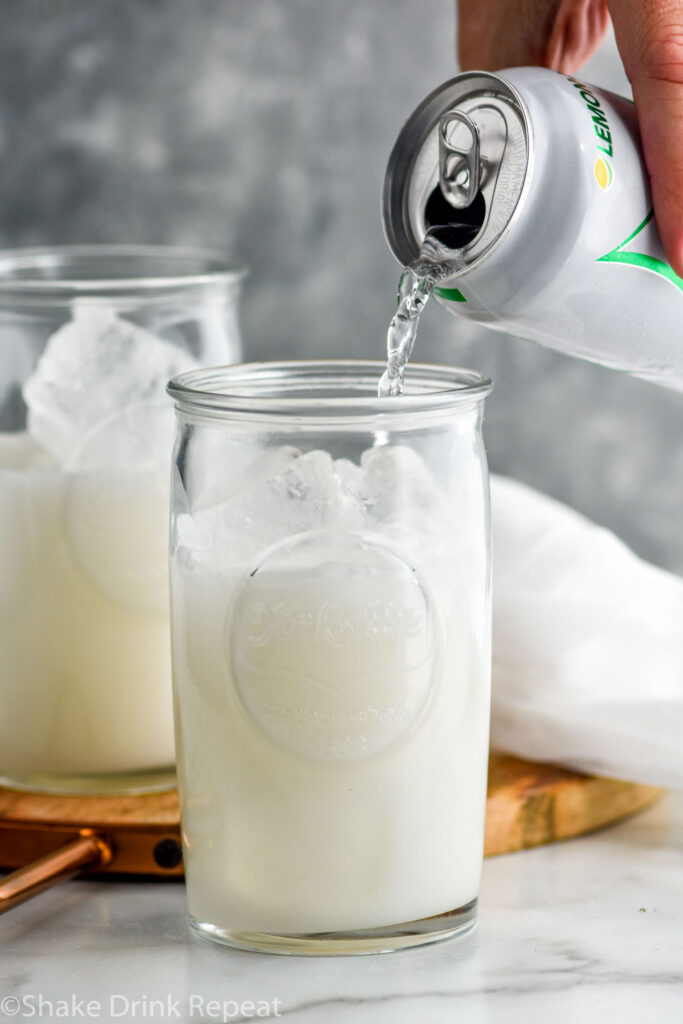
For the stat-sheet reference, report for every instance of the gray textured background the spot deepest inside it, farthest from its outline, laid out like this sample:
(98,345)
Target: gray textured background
(262,127)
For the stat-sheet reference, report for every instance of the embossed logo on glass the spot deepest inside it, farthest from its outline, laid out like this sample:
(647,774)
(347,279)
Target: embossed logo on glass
(332,646)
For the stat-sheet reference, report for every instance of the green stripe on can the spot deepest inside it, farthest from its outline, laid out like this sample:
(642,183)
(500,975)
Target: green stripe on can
(451,294)
(642,259)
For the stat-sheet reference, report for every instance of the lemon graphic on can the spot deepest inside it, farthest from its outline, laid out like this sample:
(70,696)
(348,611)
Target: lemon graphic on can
(603,173)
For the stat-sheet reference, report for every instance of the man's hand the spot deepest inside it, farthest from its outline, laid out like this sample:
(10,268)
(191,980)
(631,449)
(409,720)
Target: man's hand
(563,34)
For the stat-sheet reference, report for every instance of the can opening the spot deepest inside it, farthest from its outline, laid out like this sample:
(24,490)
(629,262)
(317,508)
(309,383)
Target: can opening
(453,227)
(435,160)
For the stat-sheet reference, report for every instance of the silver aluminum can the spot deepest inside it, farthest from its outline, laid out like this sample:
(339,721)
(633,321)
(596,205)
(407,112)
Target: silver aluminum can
(559,242)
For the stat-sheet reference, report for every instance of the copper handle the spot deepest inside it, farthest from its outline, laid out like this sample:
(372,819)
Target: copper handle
(87,850)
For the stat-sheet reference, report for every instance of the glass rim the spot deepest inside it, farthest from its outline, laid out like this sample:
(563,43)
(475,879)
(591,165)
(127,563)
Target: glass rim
(215,268)
(260,389)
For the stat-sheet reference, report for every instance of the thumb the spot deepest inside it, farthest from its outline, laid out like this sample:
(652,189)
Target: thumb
(649,35)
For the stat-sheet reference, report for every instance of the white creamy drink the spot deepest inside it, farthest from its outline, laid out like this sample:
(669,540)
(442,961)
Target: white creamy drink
(332,686)
(83,537)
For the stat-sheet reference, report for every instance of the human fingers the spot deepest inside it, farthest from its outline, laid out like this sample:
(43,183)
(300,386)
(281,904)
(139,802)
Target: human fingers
(649,35)
(559,34)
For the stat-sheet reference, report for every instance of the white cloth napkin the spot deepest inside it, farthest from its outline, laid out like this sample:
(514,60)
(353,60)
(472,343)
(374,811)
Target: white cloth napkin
(587,644)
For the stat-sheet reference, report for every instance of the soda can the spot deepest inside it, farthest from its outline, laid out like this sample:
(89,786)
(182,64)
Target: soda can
(539,182)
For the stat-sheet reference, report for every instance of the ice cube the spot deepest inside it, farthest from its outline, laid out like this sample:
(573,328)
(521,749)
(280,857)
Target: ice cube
(400,500)
(215,467)
(135,438)
(222,488)
(285,493)
(305,494)
(91,368)
(395,486)
(351,476)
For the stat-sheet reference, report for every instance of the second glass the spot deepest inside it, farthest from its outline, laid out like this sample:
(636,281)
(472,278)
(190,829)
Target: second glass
(89,336)
(330,624)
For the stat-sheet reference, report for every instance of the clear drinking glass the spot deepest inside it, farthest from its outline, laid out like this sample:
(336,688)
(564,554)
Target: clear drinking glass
(89,336)
(331,653)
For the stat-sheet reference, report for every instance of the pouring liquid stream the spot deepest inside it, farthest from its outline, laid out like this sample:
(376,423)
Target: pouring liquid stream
(434,263)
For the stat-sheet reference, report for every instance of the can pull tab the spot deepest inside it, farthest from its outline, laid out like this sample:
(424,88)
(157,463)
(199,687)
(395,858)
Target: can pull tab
(459,159)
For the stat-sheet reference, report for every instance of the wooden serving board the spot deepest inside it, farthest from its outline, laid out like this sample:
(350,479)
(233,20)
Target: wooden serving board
(528,804)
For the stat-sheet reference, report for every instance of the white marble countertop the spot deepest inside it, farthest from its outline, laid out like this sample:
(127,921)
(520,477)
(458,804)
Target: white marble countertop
(581,931)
